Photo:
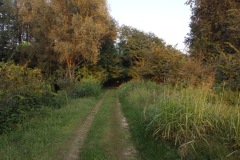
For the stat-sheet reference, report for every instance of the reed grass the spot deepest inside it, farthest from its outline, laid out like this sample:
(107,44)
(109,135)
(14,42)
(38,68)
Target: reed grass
(194,119)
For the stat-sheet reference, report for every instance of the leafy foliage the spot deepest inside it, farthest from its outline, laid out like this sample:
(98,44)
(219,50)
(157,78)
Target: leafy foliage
(87,87)
(214,38)
(23,91)
(228,70)
(192,72)
(214,25)
(147,56)
(91,71)
(72,31)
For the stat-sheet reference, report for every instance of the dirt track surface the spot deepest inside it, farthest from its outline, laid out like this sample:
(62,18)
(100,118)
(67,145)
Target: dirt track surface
(81,133)
(118,133)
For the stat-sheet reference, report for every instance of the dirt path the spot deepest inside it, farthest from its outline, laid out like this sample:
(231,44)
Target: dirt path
(128,151)
(107,120)
(82,132)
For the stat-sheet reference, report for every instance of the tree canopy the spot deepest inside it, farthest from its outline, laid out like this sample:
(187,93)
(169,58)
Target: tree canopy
(78,38)
(72,30)
(215,39)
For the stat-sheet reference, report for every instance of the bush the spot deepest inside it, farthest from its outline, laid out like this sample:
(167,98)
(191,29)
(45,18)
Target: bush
(193,72)
(87,87)
(159,65)
(19,108)
(64,84)
(22,91)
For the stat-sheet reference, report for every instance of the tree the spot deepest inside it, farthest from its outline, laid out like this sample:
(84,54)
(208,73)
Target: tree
(74,29)
(111,62)
(8,32)
(136,47)
(81,25)
(147,56)
(214,28)
(215,37)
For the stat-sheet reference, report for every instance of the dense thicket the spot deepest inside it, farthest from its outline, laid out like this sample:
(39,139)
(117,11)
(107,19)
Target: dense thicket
(76,39)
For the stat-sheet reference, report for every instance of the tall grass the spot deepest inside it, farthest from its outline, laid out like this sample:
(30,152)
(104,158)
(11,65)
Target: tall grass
(194,119)
(135,97)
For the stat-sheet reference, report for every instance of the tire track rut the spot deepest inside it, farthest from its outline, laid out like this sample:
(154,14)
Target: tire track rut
(82,132)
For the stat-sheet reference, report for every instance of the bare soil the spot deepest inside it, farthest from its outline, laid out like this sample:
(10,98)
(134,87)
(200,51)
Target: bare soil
(129,152)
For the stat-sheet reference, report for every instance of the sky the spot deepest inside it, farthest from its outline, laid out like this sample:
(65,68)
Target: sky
(168,19)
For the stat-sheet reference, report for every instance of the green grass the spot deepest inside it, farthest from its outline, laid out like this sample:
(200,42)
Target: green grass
(45,136)
(199,122)
(148,147)
(96,144)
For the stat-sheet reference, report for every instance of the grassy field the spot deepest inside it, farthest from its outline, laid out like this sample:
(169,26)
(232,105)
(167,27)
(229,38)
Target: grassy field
(202,124)
(45,136)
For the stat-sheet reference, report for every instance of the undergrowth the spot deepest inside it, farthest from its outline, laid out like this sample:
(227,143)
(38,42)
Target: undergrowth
(23,91)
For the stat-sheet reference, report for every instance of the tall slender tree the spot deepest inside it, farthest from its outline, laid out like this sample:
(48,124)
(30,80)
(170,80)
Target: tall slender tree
(8,28)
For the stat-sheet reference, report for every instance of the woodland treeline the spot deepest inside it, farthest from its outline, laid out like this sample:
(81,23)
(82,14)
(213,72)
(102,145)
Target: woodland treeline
(77,39)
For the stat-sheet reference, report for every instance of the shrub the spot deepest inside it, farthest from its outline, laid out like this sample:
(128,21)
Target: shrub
(18,109)
(22,91)
(90,71)
(64,84)
(193,73)
(18,80)
(160,64)
(87,87)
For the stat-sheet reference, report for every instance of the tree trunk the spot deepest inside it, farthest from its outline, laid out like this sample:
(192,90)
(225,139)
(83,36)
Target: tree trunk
(70,68)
